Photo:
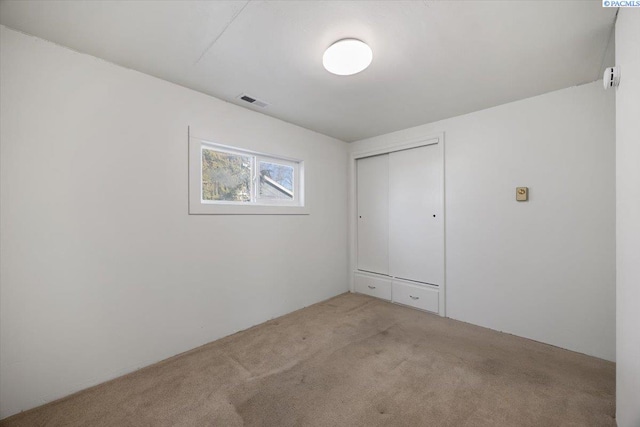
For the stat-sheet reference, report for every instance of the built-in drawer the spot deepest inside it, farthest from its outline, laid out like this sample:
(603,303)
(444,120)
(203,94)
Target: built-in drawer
(376,286)
(422,297)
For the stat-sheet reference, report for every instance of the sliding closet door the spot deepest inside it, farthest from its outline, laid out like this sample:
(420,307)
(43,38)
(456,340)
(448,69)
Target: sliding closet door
(416,234)
(373,214)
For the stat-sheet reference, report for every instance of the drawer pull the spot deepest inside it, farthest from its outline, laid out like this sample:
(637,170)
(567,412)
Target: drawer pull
(371,287)
(412,297)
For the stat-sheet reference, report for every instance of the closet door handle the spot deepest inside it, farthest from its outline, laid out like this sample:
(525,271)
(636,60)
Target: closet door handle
(371,287)
(412,297)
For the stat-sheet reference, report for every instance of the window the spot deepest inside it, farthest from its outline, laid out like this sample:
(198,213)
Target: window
(226,177)
(276,181)
(229,180)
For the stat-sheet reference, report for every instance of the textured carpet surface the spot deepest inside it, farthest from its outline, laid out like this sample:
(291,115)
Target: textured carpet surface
(352,361)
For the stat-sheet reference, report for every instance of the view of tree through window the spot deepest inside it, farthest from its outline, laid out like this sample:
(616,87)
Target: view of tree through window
(226,176)
(234,176)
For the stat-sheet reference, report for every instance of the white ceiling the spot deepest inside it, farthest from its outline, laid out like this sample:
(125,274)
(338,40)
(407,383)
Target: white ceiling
(432,60)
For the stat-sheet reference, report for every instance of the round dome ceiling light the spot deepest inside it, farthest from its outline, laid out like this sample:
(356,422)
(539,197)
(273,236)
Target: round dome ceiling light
(347,56)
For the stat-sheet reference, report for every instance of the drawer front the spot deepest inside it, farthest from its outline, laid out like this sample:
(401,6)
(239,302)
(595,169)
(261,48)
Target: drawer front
(378,287)
(416,296)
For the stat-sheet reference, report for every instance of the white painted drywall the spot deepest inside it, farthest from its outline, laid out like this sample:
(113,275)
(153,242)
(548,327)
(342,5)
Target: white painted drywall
(542,269)
(628,218)
(102,269)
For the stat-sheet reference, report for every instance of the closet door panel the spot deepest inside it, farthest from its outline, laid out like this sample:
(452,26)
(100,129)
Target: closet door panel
(373,214)
(416,237)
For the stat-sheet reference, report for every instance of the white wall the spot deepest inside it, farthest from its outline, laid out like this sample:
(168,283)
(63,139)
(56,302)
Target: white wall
(102,269)
(543,269)
(628,218)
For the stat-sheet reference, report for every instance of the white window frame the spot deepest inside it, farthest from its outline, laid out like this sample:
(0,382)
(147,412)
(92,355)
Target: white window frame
(257,205)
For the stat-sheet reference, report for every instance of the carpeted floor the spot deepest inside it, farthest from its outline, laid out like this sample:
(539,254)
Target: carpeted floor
(352,361)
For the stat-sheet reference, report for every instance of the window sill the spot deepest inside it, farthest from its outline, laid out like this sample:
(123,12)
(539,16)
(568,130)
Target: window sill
(232,209)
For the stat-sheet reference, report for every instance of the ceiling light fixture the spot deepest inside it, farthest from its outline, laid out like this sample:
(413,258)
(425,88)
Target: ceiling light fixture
(347,56)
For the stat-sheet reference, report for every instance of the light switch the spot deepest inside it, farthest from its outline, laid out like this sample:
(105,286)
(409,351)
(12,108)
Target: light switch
(522,194)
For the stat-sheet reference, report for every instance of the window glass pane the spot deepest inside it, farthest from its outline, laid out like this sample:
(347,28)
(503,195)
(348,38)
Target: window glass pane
(276,181)
(225,176)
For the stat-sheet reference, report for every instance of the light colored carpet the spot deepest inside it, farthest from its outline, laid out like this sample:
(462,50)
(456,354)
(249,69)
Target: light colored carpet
(352,361)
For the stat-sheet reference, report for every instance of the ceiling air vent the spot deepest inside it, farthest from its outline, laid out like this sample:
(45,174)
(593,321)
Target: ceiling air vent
(252,100)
